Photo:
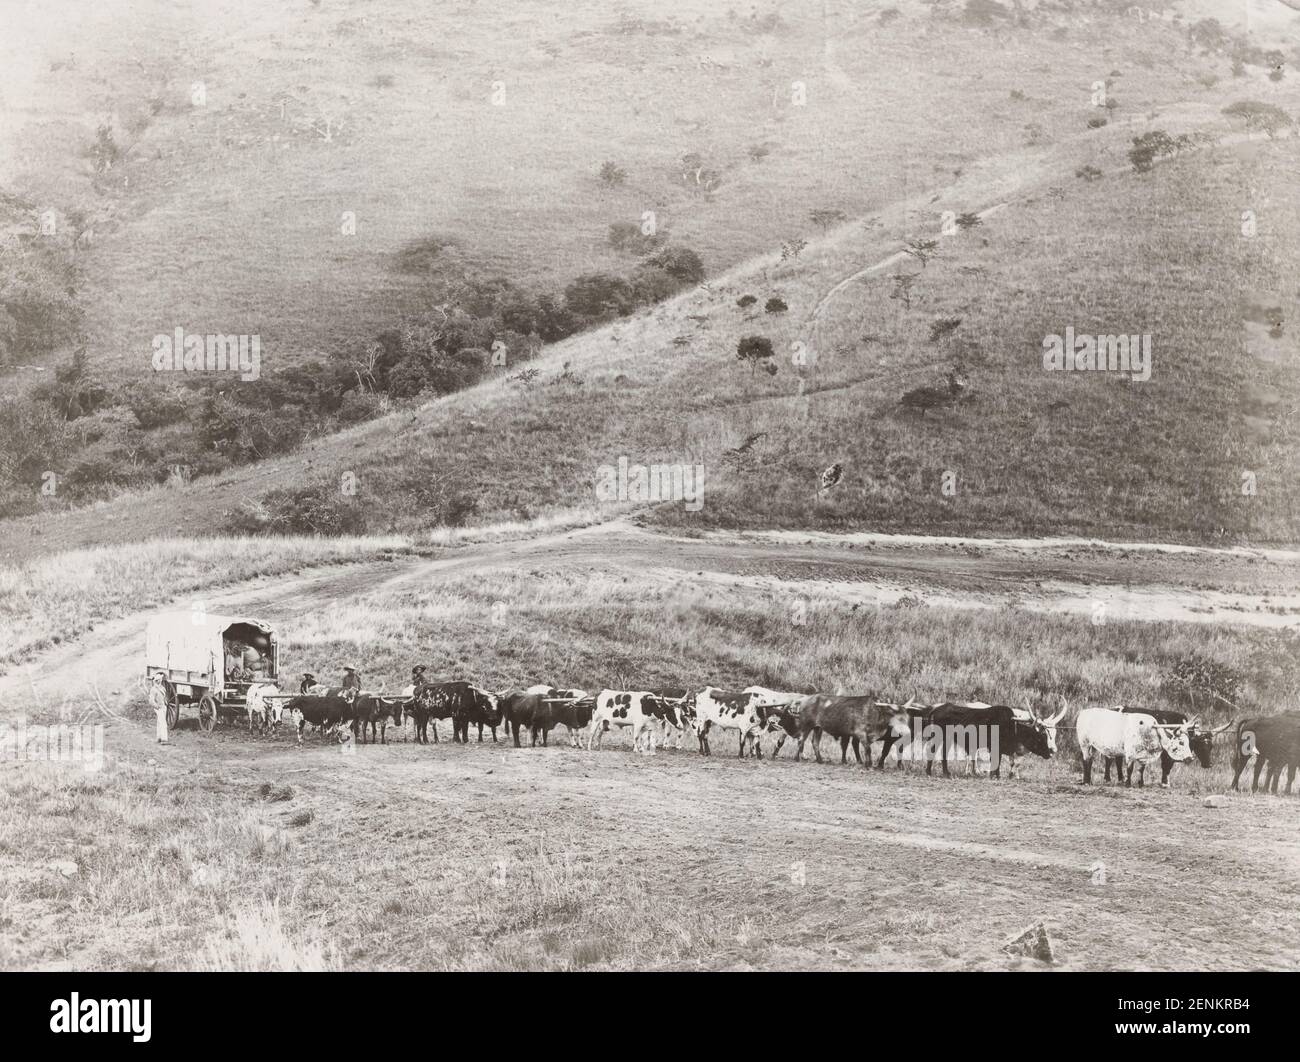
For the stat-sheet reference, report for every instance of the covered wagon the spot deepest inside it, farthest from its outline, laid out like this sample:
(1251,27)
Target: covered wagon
(209,661)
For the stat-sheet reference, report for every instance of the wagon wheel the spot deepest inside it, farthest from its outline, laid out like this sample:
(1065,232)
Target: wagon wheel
(173,704)
(207,713)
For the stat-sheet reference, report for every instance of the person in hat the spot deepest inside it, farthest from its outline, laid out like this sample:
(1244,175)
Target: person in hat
(351,678)
(308,681)
(158,699)
(417,674)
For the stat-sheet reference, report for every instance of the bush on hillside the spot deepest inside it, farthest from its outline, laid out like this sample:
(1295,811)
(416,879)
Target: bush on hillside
(599,295)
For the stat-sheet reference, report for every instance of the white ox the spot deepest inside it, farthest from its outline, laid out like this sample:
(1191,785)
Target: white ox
(622,708)
(265,714)
(1135,736)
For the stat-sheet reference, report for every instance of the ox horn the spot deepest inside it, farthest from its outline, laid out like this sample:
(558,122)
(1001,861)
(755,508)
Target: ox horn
(1220,730)
(1056,719)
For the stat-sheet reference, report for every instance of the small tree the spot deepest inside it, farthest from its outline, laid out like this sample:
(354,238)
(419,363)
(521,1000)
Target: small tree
(825,217)
(922,250)
(755,350)
(792,248)
(903,284)
(1263,117)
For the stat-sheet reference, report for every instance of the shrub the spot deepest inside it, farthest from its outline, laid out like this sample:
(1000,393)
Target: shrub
(650,284)
(680,262)
(1148,147)
(159,409)
(612,174)
(599,294)
(626,236)
(755,350)
(745,301)
(775,304)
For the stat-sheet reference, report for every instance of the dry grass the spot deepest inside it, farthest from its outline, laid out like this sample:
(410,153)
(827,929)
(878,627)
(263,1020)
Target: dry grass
(49,601)
(609,629)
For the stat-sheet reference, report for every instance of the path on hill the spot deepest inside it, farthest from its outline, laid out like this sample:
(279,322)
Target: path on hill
(1062,576)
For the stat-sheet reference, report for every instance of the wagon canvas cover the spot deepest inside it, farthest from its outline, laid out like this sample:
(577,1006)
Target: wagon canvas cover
(192,641)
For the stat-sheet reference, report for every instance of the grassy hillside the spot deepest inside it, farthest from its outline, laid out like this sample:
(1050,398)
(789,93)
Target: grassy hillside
(1158,253)
(228,215)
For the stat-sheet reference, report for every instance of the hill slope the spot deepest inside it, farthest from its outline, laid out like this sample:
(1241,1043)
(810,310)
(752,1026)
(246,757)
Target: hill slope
(1157,253)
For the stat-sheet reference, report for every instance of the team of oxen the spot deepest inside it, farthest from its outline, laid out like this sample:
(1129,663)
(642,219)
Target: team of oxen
(1125,737)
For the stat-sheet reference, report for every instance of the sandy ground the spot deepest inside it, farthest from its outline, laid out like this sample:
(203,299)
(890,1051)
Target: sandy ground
(753,865)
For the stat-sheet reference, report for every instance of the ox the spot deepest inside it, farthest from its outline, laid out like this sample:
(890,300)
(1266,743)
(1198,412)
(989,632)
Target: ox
(1201,742)
(1271,739)
(568,707)
(374,712)
(325,711)
(1136,736)
(774,709)
(262,712)
(997,729)
(671,710)
(622,708)
(728,710)
(540,708)
(462,702)
(861,720)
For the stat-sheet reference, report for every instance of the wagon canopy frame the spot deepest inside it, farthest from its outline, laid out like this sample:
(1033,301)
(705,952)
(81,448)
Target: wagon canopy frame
(189,648)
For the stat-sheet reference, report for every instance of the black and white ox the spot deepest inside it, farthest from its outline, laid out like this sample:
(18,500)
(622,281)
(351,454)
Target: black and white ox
(637,710)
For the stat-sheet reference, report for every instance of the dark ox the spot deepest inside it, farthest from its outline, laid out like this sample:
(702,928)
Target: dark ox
(783,721)
(858,719)
(462,702)
(994,728)
(539,709)
(1200,741)
(1271,739)
(325,711)
(373,712)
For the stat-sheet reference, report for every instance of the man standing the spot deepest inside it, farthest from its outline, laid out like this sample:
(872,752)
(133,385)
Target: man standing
(158,699)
